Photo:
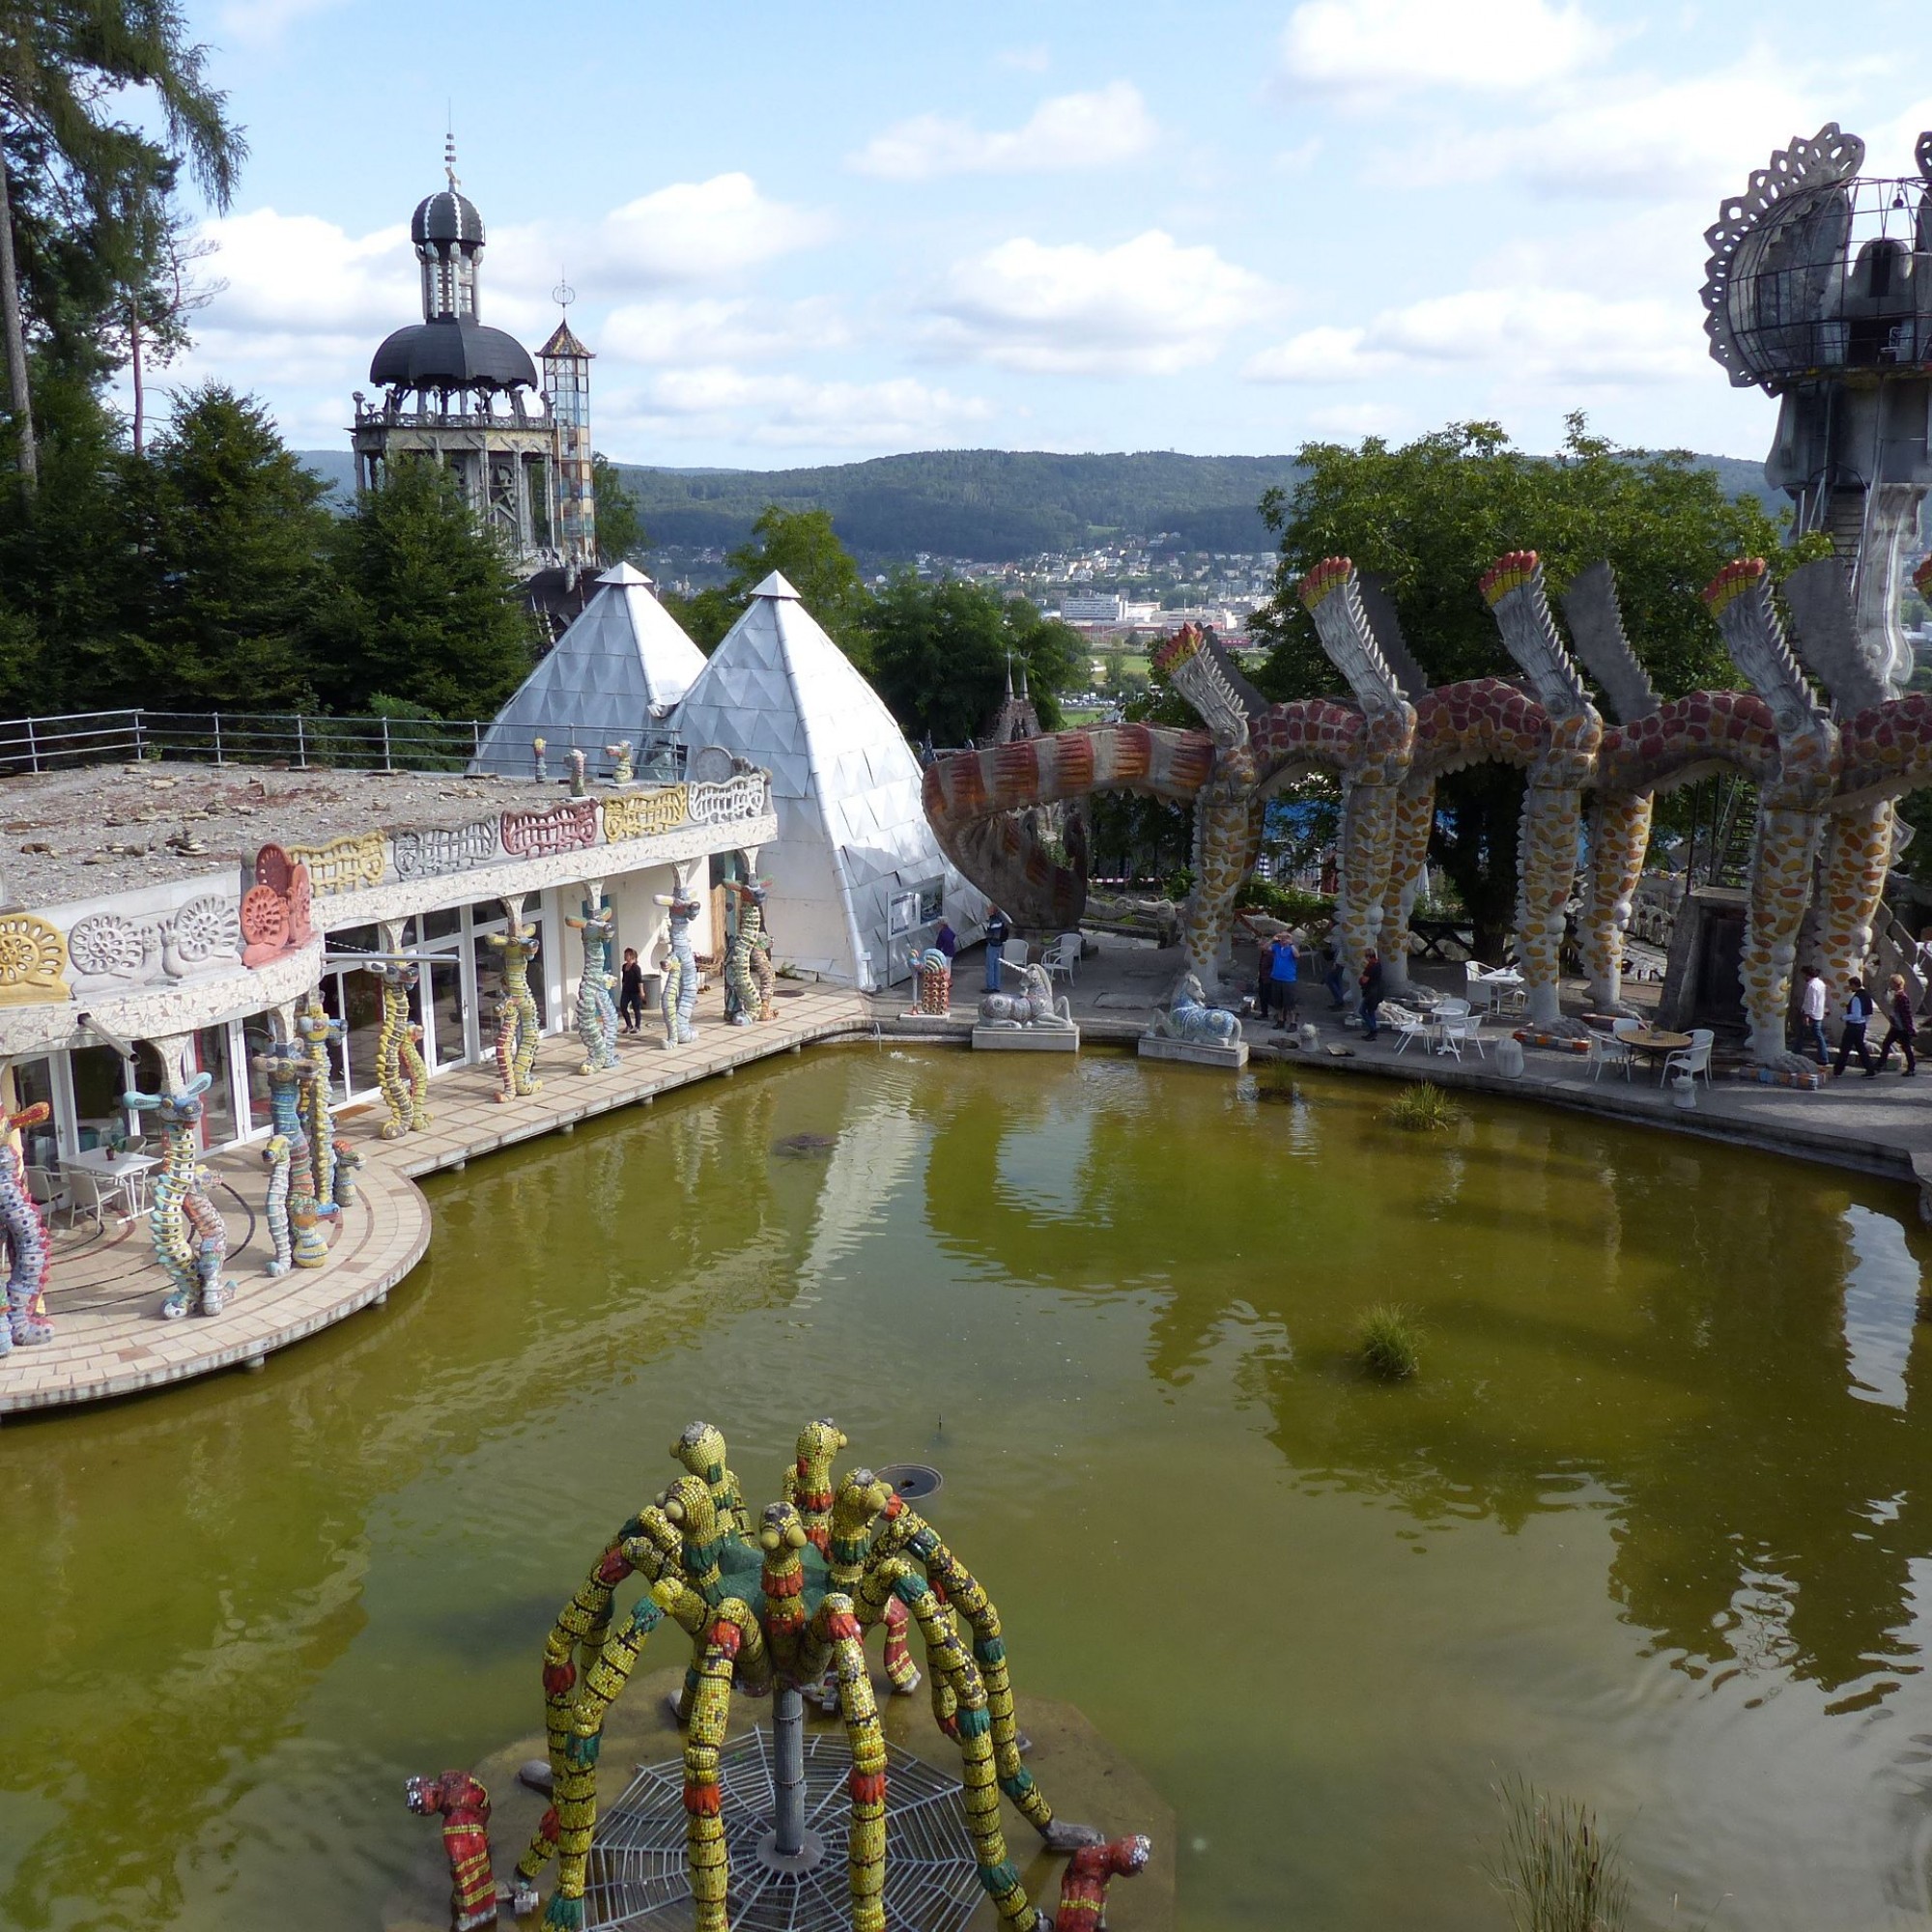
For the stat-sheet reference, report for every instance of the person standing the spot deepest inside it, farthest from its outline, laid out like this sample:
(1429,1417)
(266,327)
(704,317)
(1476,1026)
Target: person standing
(1371,983)
(630,992)
(1898,1006)
(948,942)
(1811,1018)
(1334,976)
(1283,974)
(998,932)
(1858,1018)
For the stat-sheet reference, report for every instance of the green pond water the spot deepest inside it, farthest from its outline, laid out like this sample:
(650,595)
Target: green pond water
(1652,1528)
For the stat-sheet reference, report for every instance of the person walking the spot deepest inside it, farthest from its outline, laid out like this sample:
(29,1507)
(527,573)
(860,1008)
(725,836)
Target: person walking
(1334,977)
(1811,1018)
(948,940)
(998,932)
(1371,983)
(630,992)
(1283,973)
(1858,1018)
(1898,1006)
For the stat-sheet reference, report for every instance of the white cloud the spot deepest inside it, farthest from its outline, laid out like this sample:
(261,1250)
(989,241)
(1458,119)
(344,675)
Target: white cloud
(302,273)
(265,22)
(1025,60)
(1148,306)
(1373,48)
(706,403)
(1071,131)
(737,330)
(1528,334)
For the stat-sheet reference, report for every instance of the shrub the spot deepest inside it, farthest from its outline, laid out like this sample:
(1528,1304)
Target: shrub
(1422,1109)
(1285,902)
(1275,1083)
(1556,1867)
(1389,1340)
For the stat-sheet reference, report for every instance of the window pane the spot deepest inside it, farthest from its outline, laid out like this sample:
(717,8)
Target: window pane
(217,1104)
(100,1079)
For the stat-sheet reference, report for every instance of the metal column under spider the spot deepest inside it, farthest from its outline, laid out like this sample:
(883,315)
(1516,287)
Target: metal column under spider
(636,1881)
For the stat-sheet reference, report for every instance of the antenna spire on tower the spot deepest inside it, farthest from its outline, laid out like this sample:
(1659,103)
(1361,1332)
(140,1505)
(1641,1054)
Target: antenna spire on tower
(449,161)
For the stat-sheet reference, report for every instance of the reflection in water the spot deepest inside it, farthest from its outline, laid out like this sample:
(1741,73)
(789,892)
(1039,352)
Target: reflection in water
(1651,1525)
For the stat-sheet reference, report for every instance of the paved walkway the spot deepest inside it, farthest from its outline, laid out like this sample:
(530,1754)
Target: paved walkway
(105,1290)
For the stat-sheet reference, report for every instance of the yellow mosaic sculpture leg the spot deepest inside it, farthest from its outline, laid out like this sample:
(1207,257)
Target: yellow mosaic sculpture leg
(866,1850)
(1781,890)
(1857,855)
(1408,853)
(1619,839)
(1367,848)
(1547,870)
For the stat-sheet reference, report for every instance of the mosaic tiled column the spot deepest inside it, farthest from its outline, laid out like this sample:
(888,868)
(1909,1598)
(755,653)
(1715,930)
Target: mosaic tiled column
(1414,820)
(1619,839)
(1781,890)
(1225,825)
(1363,855)
(1856,855)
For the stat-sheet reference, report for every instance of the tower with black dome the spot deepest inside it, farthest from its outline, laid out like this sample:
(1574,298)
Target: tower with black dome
(459,393)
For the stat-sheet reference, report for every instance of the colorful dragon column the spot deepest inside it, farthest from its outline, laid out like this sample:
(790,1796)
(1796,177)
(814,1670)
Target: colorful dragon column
(596,1011)
(1374,765)
(678,1000)
(517,1024)
(748,958)
(400,1071)
(317,1031)
(1552,806)
(28,1252)
(289,1071)
(1790,808)
(190,1236)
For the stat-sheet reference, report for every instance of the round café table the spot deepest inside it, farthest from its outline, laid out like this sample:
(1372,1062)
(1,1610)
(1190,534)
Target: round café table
(1655,1043)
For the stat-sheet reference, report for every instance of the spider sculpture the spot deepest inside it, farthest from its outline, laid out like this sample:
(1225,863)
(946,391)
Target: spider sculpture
(773,1610)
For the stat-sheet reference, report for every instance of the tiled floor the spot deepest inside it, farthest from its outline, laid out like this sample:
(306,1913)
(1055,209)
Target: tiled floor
(105,1290)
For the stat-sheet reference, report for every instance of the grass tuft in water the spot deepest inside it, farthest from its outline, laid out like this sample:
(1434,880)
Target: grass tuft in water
(1422,1109)
(1388,1338)
(1276,1083)
(1554,1865)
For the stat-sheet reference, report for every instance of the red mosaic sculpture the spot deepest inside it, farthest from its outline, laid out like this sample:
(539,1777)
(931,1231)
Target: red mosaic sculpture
(275,909)
(464,1805)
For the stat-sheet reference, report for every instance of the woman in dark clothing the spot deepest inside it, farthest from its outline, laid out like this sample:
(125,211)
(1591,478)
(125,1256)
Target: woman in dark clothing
(1898,1004)
(631,993)
(1857,1017)
(1372,991)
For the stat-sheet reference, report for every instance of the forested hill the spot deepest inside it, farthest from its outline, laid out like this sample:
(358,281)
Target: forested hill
(994,505)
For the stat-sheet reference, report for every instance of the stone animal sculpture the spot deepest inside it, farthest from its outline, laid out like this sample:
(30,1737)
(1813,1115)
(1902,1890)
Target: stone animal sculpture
(1091,1869)
(464,1807)
(541,772)
(190,1236)
(623,771)
(596,1011)
(578,787)
(1188,1016)
(289,1071)
(932,984)
(348,1168)
(678,998)
(400,1071)
(517,1024)
(319,1033)
(770,1610)
(1036,1006)
(25,1233)
(748,958)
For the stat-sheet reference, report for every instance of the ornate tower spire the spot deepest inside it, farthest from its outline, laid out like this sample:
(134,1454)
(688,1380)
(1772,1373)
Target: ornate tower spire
(566,367)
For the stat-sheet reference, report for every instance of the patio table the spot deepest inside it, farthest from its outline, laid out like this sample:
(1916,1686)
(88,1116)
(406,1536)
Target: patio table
(126,1169)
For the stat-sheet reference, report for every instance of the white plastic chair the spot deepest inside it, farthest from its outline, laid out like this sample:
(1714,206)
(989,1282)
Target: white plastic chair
(1407,1024)
(1611,1049)
(1452,1010)
(1694,1060)
(1061,957)
(1461,1030)
(95,1194)
(1476,985)
(44,1187)
(1014,954)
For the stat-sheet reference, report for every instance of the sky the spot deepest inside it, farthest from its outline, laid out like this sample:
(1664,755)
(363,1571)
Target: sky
(809,234)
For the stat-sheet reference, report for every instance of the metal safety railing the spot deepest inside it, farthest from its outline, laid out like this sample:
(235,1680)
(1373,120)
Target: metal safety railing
(301,741)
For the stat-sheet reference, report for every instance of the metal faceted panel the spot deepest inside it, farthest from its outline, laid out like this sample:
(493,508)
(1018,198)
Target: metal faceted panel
(635,1882)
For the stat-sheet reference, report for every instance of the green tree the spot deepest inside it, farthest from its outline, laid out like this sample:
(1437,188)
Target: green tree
(420,605)
(803,547)
(620,530)
(941,654)
(65,67)
(223,530)
(1431,516)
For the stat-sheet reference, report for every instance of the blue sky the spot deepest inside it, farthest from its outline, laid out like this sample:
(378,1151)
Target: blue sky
(810,233)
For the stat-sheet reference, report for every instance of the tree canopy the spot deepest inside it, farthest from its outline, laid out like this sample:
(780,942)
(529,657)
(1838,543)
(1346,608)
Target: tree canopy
(942,653)
(1431,516)
(801,546)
